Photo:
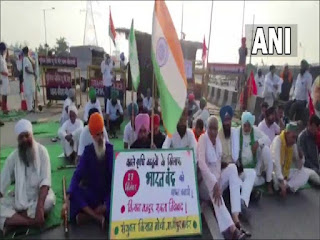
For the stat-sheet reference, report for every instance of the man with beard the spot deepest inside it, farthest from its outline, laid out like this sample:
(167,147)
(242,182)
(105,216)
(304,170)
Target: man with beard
(90,187)
(302,87)
(142,129)
(268,125)
(93,103)
(285,152)
(229,138)
(255,151)
(114,114)
(69,133)
(183,138)
(158,136)
(30,170)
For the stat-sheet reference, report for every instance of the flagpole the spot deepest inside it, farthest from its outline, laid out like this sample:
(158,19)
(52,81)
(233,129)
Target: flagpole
(152,111)
(244,5)
(109,30)
(251,38)
(181,36)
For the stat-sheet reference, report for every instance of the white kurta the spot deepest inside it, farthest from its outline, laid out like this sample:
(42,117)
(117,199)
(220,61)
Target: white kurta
(147,103)
(64,114)
(28,79)
(202,114)
(4,86)
(269,92)
(260,84)
(28,181)
(209,162)
(129,135)
(73,129)
(89,106)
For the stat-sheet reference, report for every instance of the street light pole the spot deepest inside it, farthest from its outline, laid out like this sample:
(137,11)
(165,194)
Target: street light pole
(45,27)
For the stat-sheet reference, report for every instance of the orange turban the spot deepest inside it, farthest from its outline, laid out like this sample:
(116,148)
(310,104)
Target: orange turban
(96,124)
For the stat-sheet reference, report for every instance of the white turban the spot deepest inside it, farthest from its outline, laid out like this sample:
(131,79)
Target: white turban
(73,108)
(23,125)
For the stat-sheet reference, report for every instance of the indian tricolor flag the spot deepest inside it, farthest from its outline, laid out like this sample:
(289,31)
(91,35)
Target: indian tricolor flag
(168,65)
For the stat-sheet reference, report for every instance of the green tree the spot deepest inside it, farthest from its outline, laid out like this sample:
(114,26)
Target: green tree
(62,48)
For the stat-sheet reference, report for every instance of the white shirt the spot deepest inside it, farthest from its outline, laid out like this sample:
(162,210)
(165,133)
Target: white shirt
(271,131)
(112,110)
(260,84)
(269,82)
(89,106)
(302,86)
(64,114)
(147,103)
(4,86)
(129,135)
(187,141)
(86,139)
(69,128)
(28,79)
(106,70)
(203,115)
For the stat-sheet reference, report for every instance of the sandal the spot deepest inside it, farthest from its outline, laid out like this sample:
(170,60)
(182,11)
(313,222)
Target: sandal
(236,234)
(242,229)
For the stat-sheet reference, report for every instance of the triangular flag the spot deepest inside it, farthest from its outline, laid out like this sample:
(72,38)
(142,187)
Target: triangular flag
(168,67)
(133,59)
(112,31)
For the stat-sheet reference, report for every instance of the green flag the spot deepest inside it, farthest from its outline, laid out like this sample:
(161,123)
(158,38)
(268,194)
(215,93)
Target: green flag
(133,59)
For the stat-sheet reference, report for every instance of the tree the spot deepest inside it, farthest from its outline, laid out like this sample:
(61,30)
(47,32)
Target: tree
(62,48)
(41,50)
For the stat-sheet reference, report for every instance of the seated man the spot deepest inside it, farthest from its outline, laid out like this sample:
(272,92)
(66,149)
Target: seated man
(284,152)
(264,107)
(142,129)
(69,100)
(129,135)
(69,134)
(255,151)
(199,129)
(215,180)
(192,108)
(85,136)
(202,113)
(93,103)
(281,120)
(308,146)
(229,138)
(158,136)
(268,125)
(114,114)
(90,188)
(183,138)
(147,102)
(29,168)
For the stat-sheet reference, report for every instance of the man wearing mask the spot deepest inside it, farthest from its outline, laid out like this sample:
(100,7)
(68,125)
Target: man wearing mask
(4,80)
(302,87)
(107,76)
(272,86)
(260,82)
(29,78)
(286,76)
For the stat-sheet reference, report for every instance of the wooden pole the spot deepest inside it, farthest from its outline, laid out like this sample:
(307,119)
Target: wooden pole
(65,214)
(152,111)
(251,38)
(244,5)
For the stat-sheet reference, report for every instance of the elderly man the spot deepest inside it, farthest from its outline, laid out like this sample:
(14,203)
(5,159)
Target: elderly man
(114,114)
(90,188)
(69,133)
(147,102)
(268,126)
(142,129)
(285,152)
(215,180)
(255,151)
(229,138)
(28,167)
(202,113)
(93,103)
(129,135)
(302,87)
(272,86)
(183,138)
(69,100)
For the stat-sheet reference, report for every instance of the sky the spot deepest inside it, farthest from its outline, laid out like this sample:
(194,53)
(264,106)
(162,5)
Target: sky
(23,21)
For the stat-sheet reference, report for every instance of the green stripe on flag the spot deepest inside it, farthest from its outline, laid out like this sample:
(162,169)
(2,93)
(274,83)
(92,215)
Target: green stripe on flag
(133,59)
(171,112)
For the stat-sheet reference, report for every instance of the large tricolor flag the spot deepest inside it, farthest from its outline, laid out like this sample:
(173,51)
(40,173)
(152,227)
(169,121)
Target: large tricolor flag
(168,65)
(112,31)
(133,59)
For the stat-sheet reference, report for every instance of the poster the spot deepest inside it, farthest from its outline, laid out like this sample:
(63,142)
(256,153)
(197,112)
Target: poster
(58,61)
(97,83)
(154,194)
(188,68)
(58,84)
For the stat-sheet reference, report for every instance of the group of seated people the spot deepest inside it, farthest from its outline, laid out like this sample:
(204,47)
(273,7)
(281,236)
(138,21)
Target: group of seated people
(237,158)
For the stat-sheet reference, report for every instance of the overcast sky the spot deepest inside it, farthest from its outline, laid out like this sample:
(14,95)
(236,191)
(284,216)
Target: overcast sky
(23,21)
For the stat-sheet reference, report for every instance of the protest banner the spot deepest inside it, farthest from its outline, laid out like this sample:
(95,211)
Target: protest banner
(97,83)
(154,194)
(70,62)
(58,84)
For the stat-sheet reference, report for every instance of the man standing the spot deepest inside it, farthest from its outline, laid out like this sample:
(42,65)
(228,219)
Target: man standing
(192,108)
(268,125)
(90,188)
(93,103)
(202,113)
(129,135)
(107,76)
(259,78)
(114,114)
(243,52)
(29,168)
(69,133)
(4,80)
(29,78)
(147,102)
(255,151)
(286,77)
(302,87)
(272,86)
(285,152)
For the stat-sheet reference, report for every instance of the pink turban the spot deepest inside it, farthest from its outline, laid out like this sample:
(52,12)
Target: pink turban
(142,119)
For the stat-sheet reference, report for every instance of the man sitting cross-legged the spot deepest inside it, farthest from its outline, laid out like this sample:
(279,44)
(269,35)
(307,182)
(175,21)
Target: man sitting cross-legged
(90,187)
(29,168)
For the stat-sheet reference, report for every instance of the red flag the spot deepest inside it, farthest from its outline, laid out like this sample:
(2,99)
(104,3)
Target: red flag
(251,85)
(311,107)
(204,50)
(112,31)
